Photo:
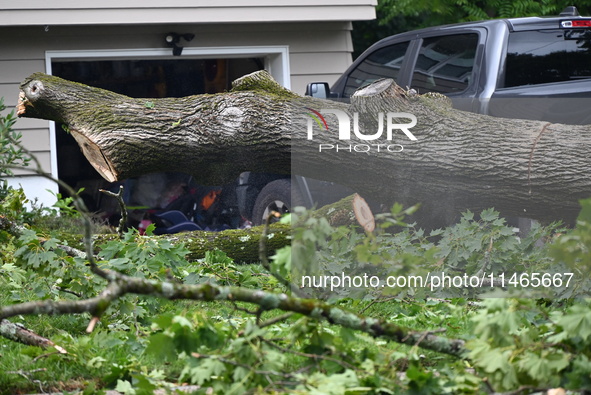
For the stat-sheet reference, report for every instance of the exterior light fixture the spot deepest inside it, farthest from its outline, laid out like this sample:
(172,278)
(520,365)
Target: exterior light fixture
(173,39)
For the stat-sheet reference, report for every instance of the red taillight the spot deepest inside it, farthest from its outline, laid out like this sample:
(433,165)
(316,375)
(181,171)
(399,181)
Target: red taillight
(576,23)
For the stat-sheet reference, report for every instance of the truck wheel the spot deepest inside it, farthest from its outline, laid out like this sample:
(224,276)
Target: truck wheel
(275,196)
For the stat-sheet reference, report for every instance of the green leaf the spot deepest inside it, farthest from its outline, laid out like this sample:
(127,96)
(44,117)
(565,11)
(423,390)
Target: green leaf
(335,384)
(468,215)
(535,366)
(92,390)
(96,362)
(545,366)
(206,371)
(557,360)
(577,321)
(150,230)
(125,387)
(143,385)
(585,214)
(120,263)
(281,261)
(162,347)
(240,373)
(490,359)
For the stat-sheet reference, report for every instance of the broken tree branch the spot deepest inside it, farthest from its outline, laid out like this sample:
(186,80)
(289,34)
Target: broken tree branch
(122,208)
(121,285)
(20,334)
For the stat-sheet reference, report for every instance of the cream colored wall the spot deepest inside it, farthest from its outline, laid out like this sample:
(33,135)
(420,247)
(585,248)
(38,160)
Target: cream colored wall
(86,12)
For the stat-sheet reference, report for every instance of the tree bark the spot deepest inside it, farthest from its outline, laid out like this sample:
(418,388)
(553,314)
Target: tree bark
(20,334)
(459,161)
(242,245)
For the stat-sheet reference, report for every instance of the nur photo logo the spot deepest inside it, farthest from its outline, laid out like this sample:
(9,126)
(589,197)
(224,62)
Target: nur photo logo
(391,120)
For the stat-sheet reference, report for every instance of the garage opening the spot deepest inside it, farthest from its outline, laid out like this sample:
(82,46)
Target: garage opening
(150,78)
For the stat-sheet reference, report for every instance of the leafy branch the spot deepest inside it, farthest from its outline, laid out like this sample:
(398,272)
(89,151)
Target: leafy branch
(120,285)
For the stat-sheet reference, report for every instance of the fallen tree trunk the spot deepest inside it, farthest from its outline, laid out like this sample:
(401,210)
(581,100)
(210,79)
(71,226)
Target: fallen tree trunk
(459,161)
(242,245)
(208,136)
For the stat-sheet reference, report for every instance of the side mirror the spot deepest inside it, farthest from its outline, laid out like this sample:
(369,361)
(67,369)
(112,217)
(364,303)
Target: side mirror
(320,90)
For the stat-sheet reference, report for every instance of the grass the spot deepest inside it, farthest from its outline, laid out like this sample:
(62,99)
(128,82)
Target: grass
(110,347)
(115,350)
(116,343)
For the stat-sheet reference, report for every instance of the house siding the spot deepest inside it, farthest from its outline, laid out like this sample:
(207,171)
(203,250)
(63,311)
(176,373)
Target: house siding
(67,12)
(35,132)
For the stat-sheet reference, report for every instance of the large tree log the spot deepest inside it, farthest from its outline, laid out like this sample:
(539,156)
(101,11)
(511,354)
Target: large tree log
(242,245)
(208,136)
(459,161)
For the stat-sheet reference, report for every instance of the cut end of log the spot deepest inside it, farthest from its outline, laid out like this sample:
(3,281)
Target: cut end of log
(380,88)
(31,90)
(95,156)
(363,213)
(36,95)
(21,107)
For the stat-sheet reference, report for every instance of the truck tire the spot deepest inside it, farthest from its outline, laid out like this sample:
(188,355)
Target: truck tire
(275,196)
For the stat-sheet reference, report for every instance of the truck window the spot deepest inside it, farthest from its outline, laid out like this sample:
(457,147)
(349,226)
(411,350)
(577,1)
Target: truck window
(383,63)
(445,63)
(544,56)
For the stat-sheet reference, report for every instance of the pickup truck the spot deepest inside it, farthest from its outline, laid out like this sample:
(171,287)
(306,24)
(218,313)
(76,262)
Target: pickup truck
(485,66)
(529,68)
(536,67)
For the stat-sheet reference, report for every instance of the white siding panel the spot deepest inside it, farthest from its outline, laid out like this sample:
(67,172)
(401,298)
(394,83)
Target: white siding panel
(36,188)
(31,123)
(327,67)
(43,158)
(35,131)
(301,37)
(131,4)
(67,12)
(36,140)
(10,94)
(319,63)
(14,71)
